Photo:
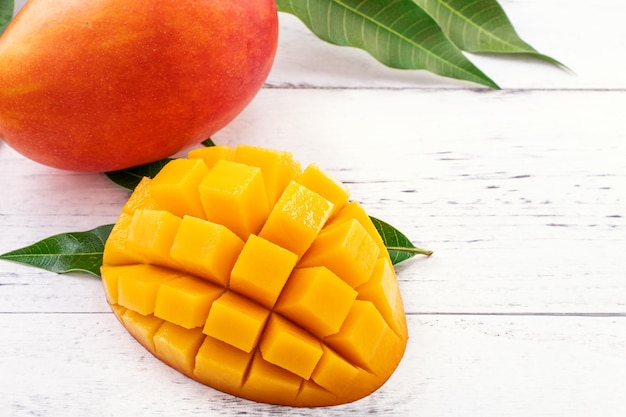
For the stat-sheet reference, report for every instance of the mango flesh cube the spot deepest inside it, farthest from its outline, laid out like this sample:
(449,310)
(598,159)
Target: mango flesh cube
(221,365)
(278,167)
(174,187)
(382,290)
(119,311)
(354,210)
(206,249)
(116,251)
(347,250)
(297,218)
(360,334)
(278,290)
(311,394)
(151,234)
(141,198)
(186,301)
(142,328)
(317,300)
(318,180)
(211,154)
(234,195)
(270,383)
(235,320)
(138,286)
(178,346)
(286,345)
(333,372)
(261,270)
(111,278)
(387,353)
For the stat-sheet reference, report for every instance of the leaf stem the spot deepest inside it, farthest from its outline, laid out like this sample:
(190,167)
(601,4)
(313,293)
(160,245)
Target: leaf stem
(418,251)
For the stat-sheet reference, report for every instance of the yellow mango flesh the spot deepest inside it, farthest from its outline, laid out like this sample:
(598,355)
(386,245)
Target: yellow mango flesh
(257,278)
(205,249)
(236,320)
(347,249)
(297,218)
(186,301)
(178,346)
(261,271)
(143,328)
(210,155)
(316,179)
(233,194)
(290,347)
(175,189)
(140,198)
(317,300)
(278,168)
(221,365)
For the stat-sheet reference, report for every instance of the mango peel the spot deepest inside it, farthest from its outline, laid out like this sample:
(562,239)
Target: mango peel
(256,277)
(110,84)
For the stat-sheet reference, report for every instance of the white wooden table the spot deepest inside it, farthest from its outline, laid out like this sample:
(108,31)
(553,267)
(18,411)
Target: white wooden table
(520,192)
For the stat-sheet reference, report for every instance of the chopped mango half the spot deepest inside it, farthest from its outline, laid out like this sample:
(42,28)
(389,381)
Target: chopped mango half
(258,278)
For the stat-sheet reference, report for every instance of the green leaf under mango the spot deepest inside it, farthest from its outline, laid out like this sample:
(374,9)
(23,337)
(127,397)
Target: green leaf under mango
(208,142)
(398,245)
(7,8)
(65,252)
(398,33)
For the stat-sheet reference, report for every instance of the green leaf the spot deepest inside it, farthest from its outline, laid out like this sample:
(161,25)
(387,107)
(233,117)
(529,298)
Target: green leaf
(7,8)
(478,26)
(208,142)
(130,177)
(399,246)
(398,33)
(66,252)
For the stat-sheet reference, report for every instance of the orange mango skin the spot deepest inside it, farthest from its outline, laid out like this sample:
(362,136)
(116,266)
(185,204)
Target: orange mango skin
(323,342)
(102,85)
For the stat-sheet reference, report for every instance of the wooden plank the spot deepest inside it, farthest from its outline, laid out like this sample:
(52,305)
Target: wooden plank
(86,364)
(525,213)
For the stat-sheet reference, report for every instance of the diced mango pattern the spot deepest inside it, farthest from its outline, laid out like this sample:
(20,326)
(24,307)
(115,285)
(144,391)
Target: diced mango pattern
(255,277)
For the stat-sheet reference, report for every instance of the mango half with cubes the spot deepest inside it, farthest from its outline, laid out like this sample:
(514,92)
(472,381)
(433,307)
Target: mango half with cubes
(261,279)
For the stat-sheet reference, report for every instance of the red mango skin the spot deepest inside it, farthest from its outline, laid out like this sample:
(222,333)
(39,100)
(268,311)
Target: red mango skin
(102,85)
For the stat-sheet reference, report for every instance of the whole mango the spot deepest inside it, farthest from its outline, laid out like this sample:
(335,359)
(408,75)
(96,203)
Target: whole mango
(261,279)
(101,85)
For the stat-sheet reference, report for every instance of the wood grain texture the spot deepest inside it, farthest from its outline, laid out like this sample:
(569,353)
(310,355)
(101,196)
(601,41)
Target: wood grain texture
(455,366)
(521,193)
